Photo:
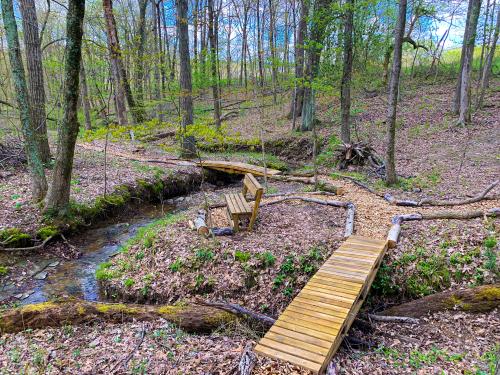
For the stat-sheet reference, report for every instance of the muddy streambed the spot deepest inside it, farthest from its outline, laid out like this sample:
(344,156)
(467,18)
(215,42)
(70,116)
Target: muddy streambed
(47,278)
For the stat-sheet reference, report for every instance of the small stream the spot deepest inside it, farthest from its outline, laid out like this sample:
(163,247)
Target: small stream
(76,278)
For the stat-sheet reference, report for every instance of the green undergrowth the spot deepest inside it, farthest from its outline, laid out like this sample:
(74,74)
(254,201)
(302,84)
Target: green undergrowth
(418,359)
(14,237)
(144,237)
(116,132)
(424,271)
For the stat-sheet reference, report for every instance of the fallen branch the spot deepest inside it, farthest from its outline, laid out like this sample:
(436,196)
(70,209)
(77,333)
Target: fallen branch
(434,202)
(479,299)
(30,248)
(349,223)
(247,361)
(124,361)
(191,318)
(477,198)
(395,230)
(393,319)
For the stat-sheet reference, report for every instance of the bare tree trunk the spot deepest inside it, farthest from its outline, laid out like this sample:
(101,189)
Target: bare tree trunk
(85,98)
(213,63)
(465,115)
(186,100)
(195,34)
(299,61)
(118,67)
(489,62)
(390,164)
(458,88)
(228,49)
(345,91)
(35,163)
(260,52)
(114,56)
(157,53)
(35,76)
(58,197)
(141,42)
(272,46)
(319,23)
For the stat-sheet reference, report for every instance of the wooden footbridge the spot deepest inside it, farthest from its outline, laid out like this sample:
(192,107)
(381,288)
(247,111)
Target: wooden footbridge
(237,167)
(311,329)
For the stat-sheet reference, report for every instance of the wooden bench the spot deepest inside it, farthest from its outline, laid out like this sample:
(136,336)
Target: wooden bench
(237,205)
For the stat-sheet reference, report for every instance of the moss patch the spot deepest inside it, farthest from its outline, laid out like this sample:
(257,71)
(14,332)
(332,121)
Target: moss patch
(14,237)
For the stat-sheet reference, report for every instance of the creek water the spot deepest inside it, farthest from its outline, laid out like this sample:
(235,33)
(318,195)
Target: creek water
(76,278)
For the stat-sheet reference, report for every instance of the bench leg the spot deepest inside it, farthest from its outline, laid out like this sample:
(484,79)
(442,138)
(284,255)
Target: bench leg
(252,222)
(236,223)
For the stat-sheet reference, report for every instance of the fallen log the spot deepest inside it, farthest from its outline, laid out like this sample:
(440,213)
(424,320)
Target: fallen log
(394,232)
(191,318)
(349,223)
(200,223)
(479,299)
(436,202)
(477,198)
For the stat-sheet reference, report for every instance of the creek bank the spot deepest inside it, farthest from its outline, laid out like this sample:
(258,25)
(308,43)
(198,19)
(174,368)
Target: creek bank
(157,188)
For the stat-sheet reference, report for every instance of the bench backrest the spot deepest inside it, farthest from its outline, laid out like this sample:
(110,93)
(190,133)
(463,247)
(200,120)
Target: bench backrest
(252,186)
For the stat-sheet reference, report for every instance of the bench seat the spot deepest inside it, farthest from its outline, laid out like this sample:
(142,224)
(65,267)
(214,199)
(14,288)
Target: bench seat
(237,204)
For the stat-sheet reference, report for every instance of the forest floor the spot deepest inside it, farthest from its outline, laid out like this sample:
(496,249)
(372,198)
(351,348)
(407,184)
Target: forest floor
(264,270)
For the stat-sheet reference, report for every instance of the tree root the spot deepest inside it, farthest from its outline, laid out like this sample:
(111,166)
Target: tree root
(30,248)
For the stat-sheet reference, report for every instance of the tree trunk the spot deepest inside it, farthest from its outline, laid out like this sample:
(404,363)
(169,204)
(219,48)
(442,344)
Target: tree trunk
(299,61)
(35,76)
(485,79)
(191,318)
(228,49)
(465,115)
(458,88)
(319,23)
(85,98)
(213,63)
(260,52)
(479,299)
(141,42)
(186,100)
(156,52)
(35,162)
(390,163)
(345,92)
(58,197)
(114,57)
(195,34)
(272,46)
(122,85)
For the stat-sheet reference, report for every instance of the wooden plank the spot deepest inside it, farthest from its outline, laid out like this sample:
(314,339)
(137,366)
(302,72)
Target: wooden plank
(273,353)
(304,302)
(331,300)
(350,259)
(342,275)
(330,289)
(315,320)
(359,271)
(354,237)
(348,263)
(329,294)
(305,330)
(306,310)
(310,324)
(300,336)
(333,280)
(356,254)
(298,343)
(363,248)
(290,349)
